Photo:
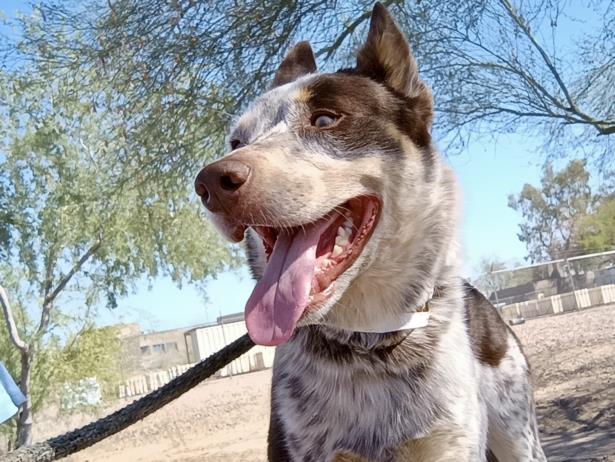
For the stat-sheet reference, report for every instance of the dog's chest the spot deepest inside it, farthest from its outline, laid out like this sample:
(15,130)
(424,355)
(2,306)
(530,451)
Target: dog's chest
(324,408)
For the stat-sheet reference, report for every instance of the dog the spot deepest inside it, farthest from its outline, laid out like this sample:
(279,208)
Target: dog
(350,219)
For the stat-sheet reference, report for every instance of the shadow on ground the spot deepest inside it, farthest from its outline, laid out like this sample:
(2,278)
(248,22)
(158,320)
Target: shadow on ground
(580,427)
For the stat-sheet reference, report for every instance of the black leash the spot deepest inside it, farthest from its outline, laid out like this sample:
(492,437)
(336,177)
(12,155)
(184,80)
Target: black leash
(86,436)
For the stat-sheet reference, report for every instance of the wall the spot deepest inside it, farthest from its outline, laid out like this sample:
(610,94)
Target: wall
(571,301)
(158,350)
(202,342)
(208,340)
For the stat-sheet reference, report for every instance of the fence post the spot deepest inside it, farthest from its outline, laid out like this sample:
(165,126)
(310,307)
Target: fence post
(571,280)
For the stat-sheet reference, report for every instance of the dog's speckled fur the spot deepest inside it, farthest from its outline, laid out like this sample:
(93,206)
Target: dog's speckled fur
(456,390)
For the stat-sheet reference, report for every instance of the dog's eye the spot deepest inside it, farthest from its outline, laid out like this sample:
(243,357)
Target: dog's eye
(235,144)
(324,120)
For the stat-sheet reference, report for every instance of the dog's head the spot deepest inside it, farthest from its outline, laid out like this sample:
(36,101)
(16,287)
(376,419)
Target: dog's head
(333,180)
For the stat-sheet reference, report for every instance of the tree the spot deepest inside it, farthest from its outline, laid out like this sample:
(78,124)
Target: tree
(493,274)
(91,352)
(495,66)
(597,231)
(82,353)
(485,281)
(554,212)
(85,214)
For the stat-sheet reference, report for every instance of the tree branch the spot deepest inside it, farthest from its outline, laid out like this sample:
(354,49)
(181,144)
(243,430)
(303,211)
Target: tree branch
(526,30)
(607,131)
(328,51)
(45,315)
(10,322)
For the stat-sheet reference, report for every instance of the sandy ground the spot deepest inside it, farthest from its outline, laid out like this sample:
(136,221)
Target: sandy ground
(573,362)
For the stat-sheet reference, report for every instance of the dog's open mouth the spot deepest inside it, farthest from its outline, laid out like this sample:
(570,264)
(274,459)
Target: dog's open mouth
(303,264)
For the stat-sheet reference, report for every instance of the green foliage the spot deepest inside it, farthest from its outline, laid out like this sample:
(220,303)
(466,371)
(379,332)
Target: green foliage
(93,197)
(563,217)
(87,352)
(597,231)
(91,352)
(553,212)
(182,68)
(72,185)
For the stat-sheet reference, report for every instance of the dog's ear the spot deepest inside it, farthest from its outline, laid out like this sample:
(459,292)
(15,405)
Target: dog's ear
(386,56)
(299,62)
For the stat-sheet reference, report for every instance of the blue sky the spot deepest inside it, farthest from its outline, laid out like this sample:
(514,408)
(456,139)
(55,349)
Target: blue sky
(488,171)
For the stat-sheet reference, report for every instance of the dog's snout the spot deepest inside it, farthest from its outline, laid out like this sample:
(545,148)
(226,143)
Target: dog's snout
(219,183)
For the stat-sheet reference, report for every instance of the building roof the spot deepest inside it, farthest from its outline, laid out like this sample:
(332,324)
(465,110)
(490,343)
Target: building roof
(230,318)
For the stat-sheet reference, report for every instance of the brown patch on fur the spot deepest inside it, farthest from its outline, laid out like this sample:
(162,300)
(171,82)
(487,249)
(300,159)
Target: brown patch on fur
(419,450)
(488,332)
(348,457)
(367,109)
(349,95)
(443,446)
(491,457)
(386,58)
(416,118)
(297,63)
(302,95)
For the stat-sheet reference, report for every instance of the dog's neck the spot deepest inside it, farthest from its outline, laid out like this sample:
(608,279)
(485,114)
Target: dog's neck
(413,317)
(378,306)
(420,336)
(391,329)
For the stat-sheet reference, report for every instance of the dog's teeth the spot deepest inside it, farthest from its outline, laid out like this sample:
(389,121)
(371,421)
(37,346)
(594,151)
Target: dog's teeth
(341,240)
(344,232)
(337,251)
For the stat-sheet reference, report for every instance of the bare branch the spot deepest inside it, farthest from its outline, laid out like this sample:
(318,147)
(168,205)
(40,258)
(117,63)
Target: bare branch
(526,30)
(10,322)
(47,302)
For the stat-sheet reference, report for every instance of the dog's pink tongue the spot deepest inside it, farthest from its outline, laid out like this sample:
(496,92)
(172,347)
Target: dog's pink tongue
(282,294)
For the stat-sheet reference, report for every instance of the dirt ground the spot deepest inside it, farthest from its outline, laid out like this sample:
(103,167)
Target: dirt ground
(573,362)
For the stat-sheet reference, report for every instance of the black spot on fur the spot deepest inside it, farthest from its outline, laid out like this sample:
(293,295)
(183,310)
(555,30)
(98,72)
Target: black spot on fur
(322,347)
(277,450)
(314,454)
(488,332)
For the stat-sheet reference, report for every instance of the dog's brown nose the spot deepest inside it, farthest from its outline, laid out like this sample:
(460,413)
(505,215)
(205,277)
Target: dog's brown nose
(219,183)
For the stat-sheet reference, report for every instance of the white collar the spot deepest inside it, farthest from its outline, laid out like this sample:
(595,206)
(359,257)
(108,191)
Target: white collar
(416,319)
(406,321)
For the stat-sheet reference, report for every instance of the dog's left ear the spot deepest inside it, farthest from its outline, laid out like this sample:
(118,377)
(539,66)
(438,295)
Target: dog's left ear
(386,56)
(299,62)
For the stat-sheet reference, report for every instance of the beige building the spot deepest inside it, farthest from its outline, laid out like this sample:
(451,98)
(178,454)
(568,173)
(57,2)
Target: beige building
(152,360)
(156,350)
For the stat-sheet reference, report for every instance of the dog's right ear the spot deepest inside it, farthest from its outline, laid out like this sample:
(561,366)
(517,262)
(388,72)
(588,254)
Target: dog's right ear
(386,55)
(299,62)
